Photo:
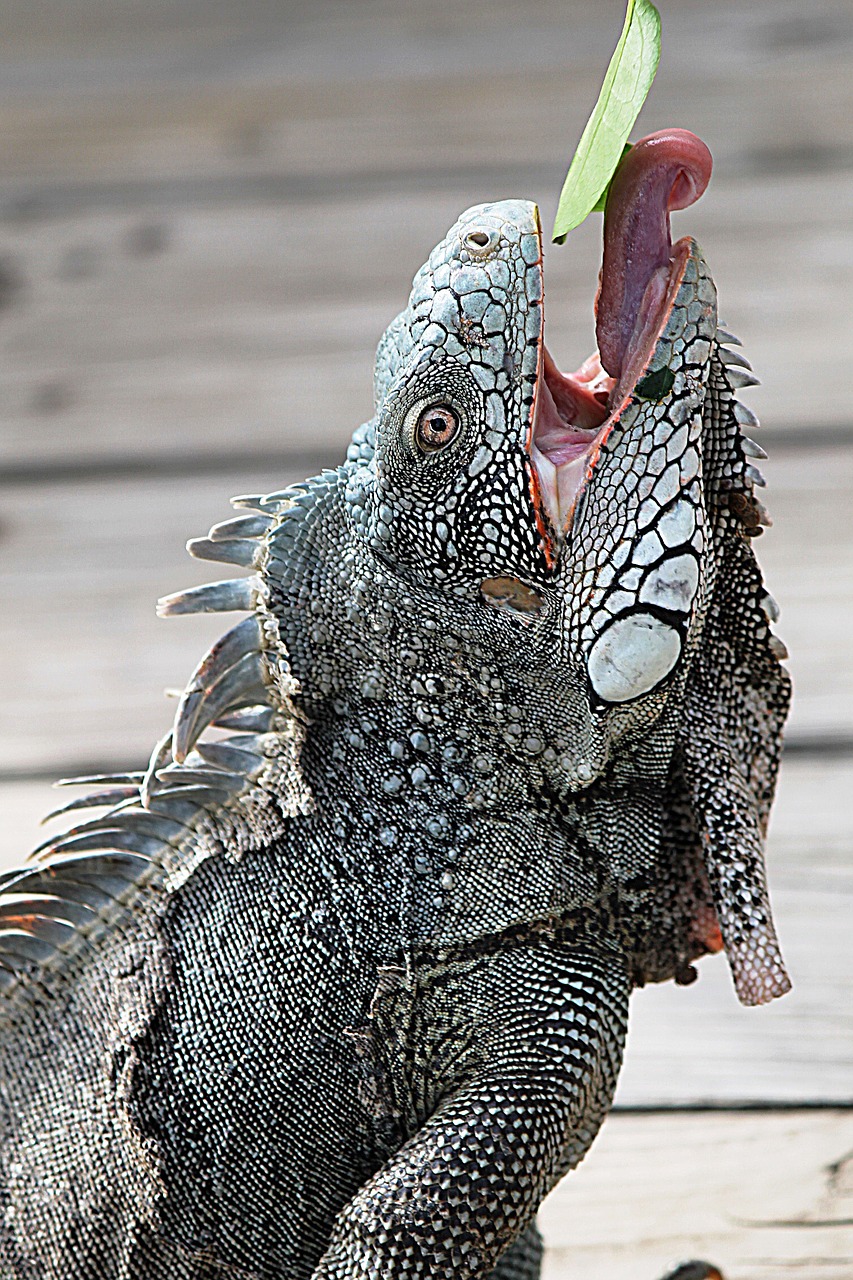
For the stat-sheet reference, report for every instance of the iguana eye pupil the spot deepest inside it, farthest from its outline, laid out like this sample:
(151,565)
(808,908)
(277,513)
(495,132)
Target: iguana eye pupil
(436,427)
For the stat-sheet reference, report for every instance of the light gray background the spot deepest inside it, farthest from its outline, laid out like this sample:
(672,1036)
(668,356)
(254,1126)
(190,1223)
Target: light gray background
(208,213)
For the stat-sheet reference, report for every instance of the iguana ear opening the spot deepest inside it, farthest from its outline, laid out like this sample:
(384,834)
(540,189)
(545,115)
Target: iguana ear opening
(736,701)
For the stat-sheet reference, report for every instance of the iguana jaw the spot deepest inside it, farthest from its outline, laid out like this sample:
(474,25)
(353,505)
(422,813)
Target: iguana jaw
(574,413)
(640,277)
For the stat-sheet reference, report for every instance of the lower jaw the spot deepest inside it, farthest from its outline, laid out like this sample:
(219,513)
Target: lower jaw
(563,453)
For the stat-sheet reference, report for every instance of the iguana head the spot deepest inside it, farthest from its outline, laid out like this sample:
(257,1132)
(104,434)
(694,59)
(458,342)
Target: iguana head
(607,513)
(494,476)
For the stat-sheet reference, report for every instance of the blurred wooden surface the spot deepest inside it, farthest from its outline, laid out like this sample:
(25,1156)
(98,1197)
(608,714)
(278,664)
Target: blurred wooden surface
(761,1196)
(208,213)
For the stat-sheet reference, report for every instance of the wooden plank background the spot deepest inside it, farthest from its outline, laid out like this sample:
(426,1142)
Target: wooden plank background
(208,213)
(762,1196)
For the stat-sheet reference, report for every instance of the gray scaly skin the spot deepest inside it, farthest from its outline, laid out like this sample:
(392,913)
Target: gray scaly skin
(343,992)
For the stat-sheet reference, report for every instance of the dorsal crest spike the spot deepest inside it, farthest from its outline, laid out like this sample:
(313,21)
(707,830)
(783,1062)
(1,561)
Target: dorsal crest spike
(234,595)
(83,877)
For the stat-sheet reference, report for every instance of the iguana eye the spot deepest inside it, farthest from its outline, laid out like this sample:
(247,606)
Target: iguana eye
(436,427)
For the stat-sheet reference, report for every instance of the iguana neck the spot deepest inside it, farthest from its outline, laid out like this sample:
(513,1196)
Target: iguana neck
(458,739)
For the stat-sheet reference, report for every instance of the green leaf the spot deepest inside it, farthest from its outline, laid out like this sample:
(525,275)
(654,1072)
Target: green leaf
(626,85)
(598,207)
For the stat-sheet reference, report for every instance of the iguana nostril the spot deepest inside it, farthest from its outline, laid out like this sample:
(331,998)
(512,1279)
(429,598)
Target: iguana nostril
(478,241)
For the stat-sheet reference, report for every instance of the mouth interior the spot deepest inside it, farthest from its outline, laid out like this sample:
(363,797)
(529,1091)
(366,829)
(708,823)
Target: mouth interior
(640,276)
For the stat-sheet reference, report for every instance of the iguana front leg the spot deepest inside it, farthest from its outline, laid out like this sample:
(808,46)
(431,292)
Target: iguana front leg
(537,1038)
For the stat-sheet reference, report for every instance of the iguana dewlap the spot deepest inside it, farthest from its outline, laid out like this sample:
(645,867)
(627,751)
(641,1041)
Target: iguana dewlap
(339,986)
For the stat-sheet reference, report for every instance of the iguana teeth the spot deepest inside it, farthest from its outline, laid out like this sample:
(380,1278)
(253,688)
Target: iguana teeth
(233,595)
(742,378)
(731,358)
(751,449)
(744,415)
(240,527)
(753,474)
(239,551)
(726,336)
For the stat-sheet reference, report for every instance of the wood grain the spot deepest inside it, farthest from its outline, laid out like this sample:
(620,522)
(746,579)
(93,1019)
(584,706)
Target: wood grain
(204,229)
(761,1196)
(250,324)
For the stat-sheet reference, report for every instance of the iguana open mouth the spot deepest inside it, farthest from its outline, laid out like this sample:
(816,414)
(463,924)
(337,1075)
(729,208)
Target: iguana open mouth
(640,276)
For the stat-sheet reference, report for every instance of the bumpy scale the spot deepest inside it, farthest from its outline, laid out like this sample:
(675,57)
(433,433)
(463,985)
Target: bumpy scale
(339,986)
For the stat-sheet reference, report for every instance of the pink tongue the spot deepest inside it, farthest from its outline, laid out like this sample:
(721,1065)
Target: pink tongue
(665,171)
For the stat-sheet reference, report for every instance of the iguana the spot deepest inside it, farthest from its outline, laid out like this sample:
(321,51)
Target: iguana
(338,987)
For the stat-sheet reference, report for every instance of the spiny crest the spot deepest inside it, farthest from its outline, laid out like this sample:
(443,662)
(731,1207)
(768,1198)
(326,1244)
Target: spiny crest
(737,696)
(738,477)
(78,882)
